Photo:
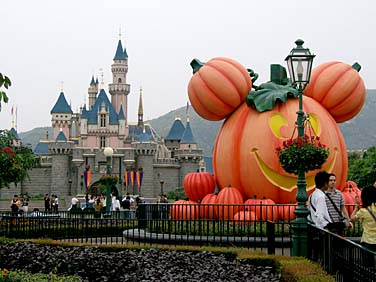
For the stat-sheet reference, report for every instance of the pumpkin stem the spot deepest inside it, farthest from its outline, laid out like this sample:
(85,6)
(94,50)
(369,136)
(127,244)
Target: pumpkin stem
(253,75)
(196,64)
(356,66)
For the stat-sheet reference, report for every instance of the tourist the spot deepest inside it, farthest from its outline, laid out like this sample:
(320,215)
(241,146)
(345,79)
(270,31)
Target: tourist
(115,203)
(336,208)
(74,203)
(91,202)
(25,203)
(47,202)
(55,204)
(318,212)
(15,204)
(367,217)
(98,208)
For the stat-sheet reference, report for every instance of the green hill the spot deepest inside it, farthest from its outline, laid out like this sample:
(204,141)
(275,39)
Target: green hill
(359,133)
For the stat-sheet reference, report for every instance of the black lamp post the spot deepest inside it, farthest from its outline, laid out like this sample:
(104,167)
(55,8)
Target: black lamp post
(108,152)
(299,64)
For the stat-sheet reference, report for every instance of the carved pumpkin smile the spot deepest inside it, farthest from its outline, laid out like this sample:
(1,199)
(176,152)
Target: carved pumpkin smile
(286,182)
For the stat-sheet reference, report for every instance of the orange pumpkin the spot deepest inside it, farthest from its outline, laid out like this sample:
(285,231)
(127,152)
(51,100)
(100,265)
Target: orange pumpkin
(245,149)
(209,207)
(349,197)
(286,212)
(339,88)
(265,209)
(230,201)
(218,87)
(198,184)
(184,210)
(245,217)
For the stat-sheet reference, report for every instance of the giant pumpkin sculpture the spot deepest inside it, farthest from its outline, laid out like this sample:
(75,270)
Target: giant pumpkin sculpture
(245,149)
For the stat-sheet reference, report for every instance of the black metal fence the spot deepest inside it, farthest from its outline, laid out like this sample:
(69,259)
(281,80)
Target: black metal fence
(250,226)
(346,260)
(254,226)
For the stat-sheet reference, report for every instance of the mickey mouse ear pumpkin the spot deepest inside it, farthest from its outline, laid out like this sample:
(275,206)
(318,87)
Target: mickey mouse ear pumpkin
(218,87)
(339,88)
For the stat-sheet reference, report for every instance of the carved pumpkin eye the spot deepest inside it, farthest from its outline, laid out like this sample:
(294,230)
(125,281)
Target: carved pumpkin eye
(315,123)
(279,126)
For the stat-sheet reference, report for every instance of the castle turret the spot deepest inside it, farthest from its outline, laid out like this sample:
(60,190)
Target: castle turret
(174,136)
(60,150)
(61,116)
(140,111)
(146,151)
(92,91)
(123,128)
(188,154)
(119,89)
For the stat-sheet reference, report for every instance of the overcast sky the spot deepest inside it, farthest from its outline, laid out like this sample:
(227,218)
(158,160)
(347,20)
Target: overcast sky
(46,42)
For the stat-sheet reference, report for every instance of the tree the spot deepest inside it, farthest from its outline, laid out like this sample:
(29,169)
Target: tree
(4,81)
(15,160)
(362,169)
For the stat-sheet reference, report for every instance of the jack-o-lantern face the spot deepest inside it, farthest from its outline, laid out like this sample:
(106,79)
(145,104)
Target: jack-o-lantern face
(245,150)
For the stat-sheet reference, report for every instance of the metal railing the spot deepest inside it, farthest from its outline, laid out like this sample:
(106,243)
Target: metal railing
(346,260)
(161,224)
(261,227)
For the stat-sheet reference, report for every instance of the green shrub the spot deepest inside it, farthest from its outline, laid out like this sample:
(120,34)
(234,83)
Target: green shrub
(23,276)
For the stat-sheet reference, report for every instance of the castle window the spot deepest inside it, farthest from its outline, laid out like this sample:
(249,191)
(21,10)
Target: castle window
(103,141)
(103,120)
(119,80)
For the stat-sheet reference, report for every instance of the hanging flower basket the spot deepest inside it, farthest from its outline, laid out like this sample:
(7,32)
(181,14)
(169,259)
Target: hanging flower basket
(304,154)
(109,180)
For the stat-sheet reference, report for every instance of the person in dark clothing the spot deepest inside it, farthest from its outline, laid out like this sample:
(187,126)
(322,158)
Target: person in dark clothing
(126,204)
(47,201)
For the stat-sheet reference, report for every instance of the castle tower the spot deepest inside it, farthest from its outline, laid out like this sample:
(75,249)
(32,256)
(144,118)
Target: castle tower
(61,116)
(119,89)
(92,91)
(60,150)
(140,111)
(188,154)
(83,127)
(146,151)
(174,136)
(123,129)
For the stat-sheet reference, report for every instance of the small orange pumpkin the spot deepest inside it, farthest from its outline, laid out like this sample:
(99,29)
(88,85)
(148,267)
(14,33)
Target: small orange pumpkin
(198,184)
(265,209)
(184,210)
(209,207)
(286,212)
(230,201)
(245,217)
(218,87)
(339,88)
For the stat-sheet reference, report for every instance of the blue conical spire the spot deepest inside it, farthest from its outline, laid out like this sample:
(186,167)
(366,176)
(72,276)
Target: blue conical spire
(61,105)
(187,137)
(119,55)
(92,82)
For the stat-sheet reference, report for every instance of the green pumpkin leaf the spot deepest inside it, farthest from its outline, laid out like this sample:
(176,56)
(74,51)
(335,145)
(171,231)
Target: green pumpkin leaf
(267,94)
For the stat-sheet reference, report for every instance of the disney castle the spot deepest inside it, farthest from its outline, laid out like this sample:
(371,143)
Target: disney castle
(79,140)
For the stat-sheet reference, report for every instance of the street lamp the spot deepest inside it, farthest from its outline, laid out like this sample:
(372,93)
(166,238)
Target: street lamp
(299,64)
(108,152)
